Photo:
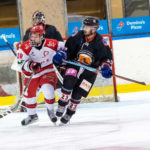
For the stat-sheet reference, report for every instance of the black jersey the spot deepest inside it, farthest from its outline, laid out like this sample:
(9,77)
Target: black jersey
(77,44)
(50,33)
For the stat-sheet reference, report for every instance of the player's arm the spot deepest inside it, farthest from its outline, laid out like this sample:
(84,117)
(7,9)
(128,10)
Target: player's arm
(72,47)
(53,33)
(105,60)
(61,54)
(24,62)
(57,35)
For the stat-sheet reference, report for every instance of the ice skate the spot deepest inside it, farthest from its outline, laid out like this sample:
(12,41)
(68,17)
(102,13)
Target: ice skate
(30,119)
(65,119)
(60,111)
(52,116)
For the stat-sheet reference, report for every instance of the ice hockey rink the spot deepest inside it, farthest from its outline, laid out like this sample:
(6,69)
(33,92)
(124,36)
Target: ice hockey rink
(96,126)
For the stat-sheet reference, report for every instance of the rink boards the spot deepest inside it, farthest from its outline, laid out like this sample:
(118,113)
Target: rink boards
(126,88)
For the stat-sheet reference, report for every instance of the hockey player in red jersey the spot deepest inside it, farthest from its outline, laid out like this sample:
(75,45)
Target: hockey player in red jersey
(86,47)
(35,55)
(38,18)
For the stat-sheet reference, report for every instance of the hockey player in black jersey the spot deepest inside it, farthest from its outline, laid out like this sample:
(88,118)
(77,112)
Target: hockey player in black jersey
(86,47)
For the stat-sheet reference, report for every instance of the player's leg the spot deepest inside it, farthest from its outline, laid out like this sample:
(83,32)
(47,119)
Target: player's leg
(72,106)
(48,84)
(81,88)
(49,97)
(70,79)
(30,101)
(30,104)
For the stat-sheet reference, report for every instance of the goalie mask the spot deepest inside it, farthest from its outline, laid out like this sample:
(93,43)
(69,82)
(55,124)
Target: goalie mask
(38,18)
(36,35)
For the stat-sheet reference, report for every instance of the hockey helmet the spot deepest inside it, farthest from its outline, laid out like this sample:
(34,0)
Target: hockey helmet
(38,18)
(91,21)
(35,40)
(37,29)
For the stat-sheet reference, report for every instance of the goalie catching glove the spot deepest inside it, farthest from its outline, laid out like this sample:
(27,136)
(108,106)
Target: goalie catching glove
(59,57)
(106,71)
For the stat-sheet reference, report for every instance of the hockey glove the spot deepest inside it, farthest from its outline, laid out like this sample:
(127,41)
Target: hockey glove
(59,57)
(106,71)
(35,67)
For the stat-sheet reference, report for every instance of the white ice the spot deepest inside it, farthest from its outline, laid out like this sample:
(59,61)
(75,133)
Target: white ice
(96,126)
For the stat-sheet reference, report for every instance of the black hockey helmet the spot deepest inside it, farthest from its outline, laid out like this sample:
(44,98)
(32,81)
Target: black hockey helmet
(39,17)
(91,21)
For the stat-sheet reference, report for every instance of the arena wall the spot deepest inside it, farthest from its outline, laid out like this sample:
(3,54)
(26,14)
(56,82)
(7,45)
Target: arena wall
(55,12)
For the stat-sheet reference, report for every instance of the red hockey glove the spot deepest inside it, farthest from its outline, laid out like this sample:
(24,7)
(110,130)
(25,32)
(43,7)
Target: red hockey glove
(35,67)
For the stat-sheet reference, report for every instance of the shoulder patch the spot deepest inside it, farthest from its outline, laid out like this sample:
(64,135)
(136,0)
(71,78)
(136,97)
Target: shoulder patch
(51,43)
(26,47)
(105,41)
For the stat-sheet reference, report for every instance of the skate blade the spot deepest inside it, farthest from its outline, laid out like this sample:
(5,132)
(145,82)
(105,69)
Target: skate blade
(54,124)
(64,124)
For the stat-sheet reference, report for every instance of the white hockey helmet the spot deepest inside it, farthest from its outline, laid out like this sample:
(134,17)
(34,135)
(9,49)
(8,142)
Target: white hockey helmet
(38,18)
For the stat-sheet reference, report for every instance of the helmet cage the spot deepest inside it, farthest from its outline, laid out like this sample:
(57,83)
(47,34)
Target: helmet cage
(39,17)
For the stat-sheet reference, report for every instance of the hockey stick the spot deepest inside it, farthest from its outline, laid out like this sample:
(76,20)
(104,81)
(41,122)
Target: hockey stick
(95,70)
(19,101)
(9,45)
(58,74)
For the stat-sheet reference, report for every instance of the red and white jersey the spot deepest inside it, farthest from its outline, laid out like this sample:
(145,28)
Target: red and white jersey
(44,56)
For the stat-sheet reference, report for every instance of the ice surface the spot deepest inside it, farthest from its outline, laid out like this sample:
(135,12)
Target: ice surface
(96,126)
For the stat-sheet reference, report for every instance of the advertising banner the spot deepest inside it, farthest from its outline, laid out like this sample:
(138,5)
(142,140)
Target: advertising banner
(132,25)
(73,27)
(12,35)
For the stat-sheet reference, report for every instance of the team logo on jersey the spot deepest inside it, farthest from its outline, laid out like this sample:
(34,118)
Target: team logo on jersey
(85,85)
(45,53)
(27,46)
(51,44)
(86,43)
(20,62)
